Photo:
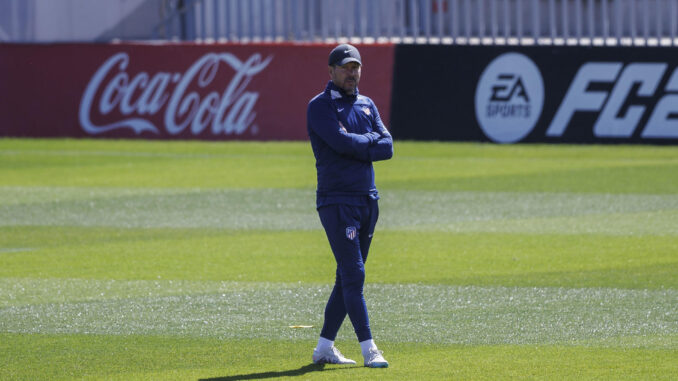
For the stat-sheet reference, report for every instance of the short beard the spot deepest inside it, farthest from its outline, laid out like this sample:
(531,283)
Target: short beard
(350,90)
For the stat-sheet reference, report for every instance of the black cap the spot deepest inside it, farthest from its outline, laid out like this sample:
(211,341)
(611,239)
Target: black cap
(343,54)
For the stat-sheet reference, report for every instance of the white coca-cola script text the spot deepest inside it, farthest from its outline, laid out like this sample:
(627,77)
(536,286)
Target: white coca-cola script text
(138,98)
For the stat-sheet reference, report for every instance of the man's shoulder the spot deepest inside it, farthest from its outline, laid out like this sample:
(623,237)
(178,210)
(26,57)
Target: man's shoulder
(364,100)
(321,98)
(321,104)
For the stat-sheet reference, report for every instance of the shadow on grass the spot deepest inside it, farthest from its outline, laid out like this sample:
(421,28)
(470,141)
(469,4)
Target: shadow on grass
(285,373)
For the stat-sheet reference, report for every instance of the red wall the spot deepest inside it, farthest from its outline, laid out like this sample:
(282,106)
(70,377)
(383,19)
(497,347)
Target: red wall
(173,91)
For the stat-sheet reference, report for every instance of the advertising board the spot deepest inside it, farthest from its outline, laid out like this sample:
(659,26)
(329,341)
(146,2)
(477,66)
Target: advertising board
(172,91)
(554,94)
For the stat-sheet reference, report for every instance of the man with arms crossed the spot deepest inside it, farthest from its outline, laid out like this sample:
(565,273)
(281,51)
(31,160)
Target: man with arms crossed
(347,135)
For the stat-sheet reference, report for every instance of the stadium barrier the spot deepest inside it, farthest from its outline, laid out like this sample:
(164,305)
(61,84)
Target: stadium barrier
(474,22)
(503,94)
(566,94)
(172,91)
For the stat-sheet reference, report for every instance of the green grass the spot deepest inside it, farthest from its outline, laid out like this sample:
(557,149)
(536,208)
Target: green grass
(544,260)
(112,357)
(189,260)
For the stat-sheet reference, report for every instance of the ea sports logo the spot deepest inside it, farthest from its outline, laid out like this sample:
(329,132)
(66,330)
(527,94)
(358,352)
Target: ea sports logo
(509,98)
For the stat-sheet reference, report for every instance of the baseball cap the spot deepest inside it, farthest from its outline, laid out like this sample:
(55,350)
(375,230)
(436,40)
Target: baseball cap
(343,54)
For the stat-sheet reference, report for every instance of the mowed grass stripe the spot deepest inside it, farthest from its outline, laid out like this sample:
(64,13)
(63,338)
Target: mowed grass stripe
(114,357)
(400,313)
(497,259)
(292,209)
(415,166)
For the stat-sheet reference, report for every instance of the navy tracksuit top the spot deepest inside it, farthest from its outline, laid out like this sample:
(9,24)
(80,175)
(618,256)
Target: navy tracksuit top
(346,135)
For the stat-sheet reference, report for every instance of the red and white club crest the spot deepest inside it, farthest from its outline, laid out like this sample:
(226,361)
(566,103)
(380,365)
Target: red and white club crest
(351,232)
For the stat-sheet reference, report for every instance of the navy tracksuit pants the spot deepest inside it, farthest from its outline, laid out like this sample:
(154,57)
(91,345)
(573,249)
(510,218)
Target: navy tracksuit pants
(349,230)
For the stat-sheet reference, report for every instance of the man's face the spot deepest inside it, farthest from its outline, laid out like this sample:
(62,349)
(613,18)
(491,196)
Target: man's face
(346,77)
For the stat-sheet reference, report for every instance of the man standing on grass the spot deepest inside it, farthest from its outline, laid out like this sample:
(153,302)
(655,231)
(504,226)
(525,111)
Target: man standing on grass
(347,135)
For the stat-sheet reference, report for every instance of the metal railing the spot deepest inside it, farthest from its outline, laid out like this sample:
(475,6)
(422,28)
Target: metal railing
(572,22)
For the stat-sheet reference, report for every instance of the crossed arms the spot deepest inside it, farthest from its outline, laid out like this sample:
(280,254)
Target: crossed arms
(371,146)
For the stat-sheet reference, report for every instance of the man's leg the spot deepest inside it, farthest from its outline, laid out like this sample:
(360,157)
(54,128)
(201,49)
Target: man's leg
(373,356)
(369,223)
(342,225)
(335,311)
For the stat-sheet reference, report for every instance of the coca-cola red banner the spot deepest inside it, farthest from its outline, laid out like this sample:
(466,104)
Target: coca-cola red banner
(173,91)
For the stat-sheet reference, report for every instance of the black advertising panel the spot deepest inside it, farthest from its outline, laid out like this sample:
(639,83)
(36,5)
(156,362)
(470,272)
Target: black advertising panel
(554,94)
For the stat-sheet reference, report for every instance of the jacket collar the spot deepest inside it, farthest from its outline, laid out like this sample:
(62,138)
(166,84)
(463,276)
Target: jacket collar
(338,93)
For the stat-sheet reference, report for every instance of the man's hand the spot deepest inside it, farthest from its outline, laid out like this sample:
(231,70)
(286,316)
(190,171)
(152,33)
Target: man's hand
(373,136)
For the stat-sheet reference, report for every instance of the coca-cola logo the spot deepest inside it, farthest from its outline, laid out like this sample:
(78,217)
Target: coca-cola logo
(193,100)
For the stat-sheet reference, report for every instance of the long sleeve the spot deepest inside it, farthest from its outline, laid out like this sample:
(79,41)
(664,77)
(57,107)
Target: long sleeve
(383,149)
(346,135)
(323,121)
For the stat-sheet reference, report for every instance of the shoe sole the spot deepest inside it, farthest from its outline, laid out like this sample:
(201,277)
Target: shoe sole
(333,363)
(378,365)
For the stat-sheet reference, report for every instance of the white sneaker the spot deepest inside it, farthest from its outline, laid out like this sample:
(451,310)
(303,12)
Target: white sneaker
(330,356)
(375,359)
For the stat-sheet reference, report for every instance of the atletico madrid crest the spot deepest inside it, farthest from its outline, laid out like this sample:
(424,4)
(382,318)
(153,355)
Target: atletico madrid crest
(351,232)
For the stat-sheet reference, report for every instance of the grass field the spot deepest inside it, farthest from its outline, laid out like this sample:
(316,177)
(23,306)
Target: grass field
(124,260)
